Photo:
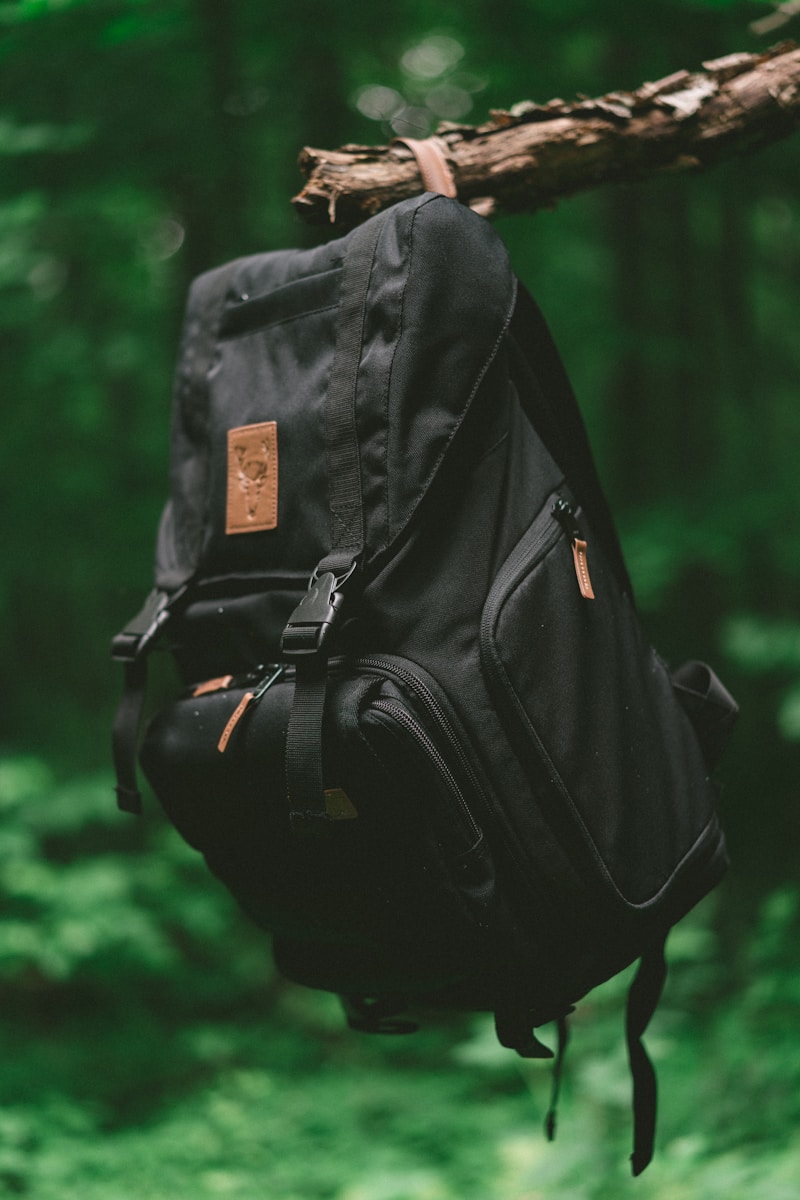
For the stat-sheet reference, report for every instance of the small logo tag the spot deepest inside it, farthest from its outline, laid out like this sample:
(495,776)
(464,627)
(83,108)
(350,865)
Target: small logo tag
(339,806)
(252,478)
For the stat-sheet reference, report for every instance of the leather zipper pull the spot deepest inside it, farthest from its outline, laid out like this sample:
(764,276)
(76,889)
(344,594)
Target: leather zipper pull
(582,569)
(246,702)
(565,514)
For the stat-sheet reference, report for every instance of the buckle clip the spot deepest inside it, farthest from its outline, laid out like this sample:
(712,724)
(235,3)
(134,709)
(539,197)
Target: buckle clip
(309,626)
(142,630)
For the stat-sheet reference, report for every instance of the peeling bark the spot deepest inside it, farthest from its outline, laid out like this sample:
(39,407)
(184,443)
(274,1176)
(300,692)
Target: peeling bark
(534,155)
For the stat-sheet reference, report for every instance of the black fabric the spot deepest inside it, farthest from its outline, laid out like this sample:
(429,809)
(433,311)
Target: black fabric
(184,518)
(434,320)
(514,791)
(547,396)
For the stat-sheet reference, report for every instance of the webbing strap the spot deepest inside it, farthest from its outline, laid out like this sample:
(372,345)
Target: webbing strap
(304,779)
(308,627)
(558,1070)
(643,998)
(131,647)
(341,433)
(124,734)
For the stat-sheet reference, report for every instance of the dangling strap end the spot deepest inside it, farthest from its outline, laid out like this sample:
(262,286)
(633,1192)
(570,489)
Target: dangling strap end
(129,800)
(558,1068)
(642,1001)
(130,647)
(639,1161)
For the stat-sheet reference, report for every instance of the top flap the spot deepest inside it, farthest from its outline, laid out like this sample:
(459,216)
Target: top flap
(249,469)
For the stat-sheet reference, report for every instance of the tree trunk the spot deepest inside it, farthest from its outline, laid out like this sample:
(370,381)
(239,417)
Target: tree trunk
(534,155)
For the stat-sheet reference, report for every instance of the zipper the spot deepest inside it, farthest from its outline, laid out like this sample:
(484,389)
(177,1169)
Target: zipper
(407,721)
(533,548)
(414,681)
(566,821)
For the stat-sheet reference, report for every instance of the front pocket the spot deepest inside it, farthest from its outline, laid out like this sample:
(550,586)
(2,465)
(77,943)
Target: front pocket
(407,714)
(309,294)
(590,710)
(400,876)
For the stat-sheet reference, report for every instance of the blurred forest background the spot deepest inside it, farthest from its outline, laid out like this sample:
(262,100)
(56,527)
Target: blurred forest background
(148,1048)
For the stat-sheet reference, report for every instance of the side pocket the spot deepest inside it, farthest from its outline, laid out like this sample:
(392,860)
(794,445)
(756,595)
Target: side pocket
(708,704)
(410,752)
(590,709)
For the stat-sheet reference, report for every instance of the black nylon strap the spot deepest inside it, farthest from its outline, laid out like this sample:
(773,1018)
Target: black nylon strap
(131,647)
(304,779)
(558,1070)
(124,734)
(344,467)
(643,998)
(304,775)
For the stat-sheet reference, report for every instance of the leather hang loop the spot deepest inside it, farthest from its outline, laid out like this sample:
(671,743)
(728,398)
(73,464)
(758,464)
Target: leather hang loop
(434,168)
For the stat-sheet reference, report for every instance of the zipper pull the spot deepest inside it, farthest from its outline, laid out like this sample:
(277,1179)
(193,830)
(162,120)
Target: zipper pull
(247,701)
(213,685)
(565,514)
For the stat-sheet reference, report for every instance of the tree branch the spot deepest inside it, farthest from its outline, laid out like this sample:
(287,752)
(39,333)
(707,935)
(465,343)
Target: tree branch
(534,155)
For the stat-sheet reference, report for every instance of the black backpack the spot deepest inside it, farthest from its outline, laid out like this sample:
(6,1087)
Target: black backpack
(424,741)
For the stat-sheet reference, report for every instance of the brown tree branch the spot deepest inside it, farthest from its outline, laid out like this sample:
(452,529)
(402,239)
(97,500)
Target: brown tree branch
(534,155)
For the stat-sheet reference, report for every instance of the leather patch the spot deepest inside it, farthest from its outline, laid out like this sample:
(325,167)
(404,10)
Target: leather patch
(252,478)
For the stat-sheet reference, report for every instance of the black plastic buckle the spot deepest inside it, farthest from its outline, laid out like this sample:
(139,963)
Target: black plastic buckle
(140,632)
(310,624)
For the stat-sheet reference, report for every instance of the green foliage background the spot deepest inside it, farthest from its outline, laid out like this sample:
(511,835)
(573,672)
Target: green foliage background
(148,1048)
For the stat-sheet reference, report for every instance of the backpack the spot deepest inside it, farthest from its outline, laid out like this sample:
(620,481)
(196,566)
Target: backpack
(423,739)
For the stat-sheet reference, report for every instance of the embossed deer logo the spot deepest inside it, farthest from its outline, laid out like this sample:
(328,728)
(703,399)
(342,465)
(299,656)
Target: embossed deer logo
(253,470)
